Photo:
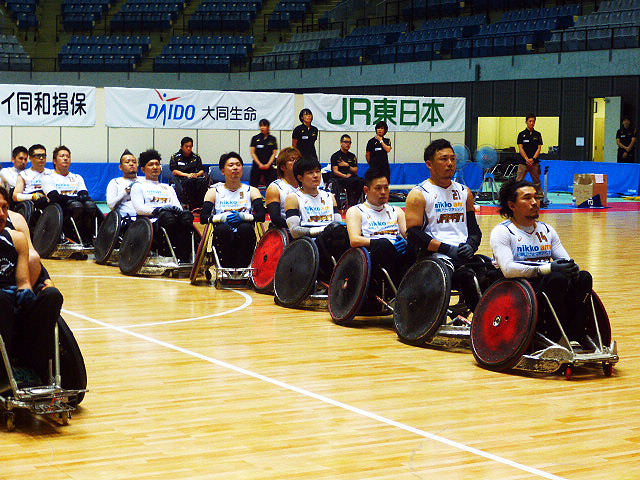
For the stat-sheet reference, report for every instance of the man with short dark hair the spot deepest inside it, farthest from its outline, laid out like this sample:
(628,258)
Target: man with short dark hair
(189,175)
(626,137)
(233,208)
(119,189)
(264,148)
(70,192)
(441,219)
(380,227)
(529,146)
(344,167)
(29,183)
(525,247)
(159,202)
(9,175)
(378,149)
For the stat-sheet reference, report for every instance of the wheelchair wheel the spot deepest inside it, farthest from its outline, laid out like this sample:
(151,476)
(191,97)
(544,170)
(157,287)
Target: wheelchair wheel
(504,324)
(266,257)
(604,325)
(422,301)
(201,253)
(48,230)
(72,369)
(297,272)
(135,246)
(349,285)
(25,209)
(107,238)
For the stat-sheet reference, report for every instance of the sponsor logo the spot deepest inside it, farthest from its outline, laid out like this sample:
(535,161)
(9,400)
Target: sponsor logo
(170,111)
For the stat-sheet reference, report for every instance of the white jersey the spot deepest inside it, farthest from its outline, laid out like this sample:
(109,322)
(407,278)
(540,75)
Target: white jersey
(147,195)
(238,200)
(315,210)
(381,222)
(284,189)
(69,184)
(9,177)
(517,252)
(445,212)
(33,180)
(118,198)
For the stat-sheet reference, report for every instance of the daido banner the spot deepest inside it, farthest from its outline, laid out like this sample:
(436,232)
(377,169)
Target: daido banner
(47,106)
(346,113)
(198,109)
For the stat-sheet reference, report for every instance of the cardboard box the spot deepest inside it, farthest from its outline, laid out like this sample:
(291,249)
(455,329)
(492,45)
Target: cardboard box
(590,190)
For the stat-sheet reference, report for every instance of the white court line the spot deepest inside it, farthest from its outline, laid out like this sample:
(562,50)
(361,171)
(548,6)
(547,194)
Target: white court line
(327,400)
(248,300)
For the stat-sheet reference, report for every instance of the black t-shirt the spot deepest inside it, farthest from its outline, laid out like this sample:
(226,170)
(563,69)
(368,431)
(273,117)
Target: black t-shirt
(378,156)
(306,137)
(184,164)
(625,135)
(529,141)
(265,146)
(8,260)
(341,156)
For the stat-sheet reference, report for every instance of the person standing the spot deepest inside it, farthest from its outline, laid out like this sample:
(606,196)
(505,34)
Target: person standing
(304,136)
(529,146)
(189,175)
(344,167)
(626,140)
(378,149)
(264,148)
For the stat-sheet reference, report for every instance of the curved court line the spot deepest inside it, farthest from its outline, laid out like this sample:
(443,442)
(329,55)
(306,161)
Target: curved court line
(330,401)
(248,300)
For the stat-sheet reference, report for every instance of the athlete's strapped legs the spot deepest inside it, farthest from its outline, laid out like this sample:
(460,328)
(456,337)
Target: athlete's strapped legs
(384,254)
(245,244)
(332,242)
(178,226)
(7,320)
(84,214)
(578,305)
(556,286)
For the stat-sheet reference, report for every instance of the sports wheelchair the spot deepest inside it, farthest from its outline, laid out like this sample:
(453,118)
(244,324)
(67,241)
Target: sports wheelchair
(50,242)
(109,237)
(504,334)
(57,398)
(266,257)
(207,258)
(142,253)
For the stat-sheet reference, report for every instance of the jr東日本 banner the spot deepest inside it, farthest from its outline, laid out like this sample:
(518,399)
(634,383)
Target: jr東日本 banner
(47,106)
(402,114)
(201,109)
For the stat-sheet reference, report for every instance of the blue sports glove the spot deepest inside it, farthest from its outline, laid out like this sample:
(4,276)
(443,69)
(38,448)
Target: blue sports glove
(234,219)
(400,244)
(25,296)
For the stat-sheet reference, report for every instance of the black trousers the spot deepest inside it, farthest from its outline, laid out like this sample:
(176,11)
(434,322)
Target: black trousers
(191,191)
(28,331)
(84,214)
(383,254)
(332,243)
(354,187)
(570,300)
(235,248)
(179,226)
(262,177)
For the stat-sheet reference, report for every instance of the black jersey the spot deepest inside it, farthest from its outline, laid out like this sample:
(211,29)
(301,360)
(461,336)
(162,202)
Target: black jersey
(306,137)
(8,260)
(529,141)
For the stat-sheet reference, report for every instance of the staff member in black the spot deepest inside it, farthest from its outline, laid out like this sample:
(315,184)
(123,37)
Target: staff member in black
(304,136)
(189,174)
(529,145)
(344,166)
(28,319)
(626,140)
(378,149)
(264,149)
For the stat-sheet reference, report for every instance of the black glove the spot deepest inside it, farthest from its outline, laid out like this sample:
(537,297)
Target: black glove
(568,268)
(41,203)
(156,211)
(172,208)
(465,252)
(84,196)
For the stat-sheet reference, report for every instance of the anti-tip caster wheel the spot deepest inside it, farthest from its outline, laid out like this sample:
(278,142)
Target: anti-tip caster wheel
(607,368)
(10,421)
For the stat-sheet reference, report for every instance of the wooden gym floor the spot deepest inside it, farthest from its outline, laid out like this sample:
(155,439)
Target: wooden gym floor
(196,383)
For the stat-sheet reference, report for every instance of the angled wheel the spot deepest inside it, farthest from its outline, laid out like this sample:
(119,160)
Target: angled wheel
(107,238)
(603,321)
(422,301)
(72,369)
(201,253)
(48,230)
(297,272)
(504,324)
(24,208)
(135,246)
(349,284)
(266,257)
